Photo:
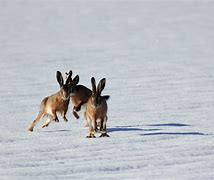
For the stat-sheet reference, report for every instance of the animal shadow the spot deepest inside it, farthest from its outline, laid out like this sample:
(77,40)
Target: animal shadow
(174,133)
(129,129)
(179,125)
(170,125)
(60,130)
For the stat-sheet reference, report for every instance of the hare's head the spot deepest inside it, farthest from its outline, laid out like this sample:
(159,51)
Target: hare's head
(65,88)
(96,91)
(72,82)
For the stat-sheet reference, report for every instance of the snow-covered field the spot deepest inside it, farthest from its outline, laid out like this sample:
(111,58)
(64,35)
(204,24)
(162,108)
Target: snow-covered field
(158,58)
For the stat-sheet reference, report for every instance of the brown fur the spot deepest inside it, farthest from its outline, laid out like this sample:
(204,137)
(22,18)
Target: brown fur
(97,111)
(52,104)
(81,97)
(80,94)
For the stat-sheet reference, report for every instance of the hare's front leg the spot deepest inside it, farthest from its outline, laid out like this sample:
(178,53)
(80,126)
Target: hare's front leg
(92,129)
(92,125)
(54,116)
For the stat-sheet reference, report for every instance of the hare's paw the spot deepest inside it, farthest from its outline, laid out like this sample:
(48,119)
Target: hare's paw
(45,125)
(104,135)
(56,120)
(30,129)
(76,115)
(91,136)
(65,119)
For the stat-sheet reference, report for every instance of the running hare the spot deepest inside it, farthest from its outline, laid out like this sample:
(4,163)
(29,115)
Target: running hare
(57,102)
(96,109)
(80,94)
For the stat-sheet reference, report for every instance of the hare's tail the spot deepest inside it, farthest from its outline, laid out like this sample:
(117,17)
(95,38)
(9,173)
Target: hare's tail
(106,97)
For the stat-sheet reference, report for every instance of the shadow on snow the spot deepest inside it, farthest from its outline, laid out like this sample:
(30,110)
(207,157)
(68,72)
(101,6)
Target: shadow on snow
(126,129)
(60,130)
(174,133)
(129,128)
(170,124)
(137,128)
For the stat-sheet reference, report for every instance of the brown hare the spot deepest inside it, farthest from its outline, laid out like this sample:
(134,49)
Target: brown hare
(80,94)
(55,103)
(96,109)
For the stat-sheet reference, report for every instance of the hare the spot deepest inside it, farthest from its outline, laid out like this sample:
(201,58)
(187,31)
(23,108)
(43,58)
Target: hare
(80,95)
(55,103)
(96,109)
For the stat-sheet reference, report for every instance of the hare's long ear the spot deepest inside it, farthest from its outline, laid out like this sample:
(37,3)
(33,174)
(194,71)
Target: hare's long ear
(76,80)
(69,74)
(101,85)
(93,83)
(59,78)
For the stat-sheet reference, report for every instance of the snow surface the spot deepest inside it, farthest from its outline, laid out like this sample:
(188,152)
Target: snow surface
(158,59)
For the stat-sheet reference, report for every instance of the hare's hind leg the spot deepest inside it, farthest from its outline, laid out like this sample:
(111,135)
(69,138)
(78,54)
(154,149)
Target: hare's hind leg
(103,127)
(51,117)
(38,118)
(47,122)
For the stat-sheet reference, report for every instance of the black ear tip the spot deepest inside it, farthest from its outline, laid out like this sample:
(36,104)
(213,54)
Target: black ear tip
(77,77)
(103,80)
(58,72)
(92,79)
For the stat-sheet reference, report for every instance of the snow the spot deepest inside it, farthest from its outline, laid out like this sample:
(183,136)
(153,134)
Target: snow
(157,57)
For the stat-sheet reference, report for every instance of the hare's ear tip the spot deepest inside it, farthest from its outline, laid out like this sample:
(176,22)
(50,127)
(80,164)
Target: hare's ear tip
(103,80)
(92,79)
(77,77)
